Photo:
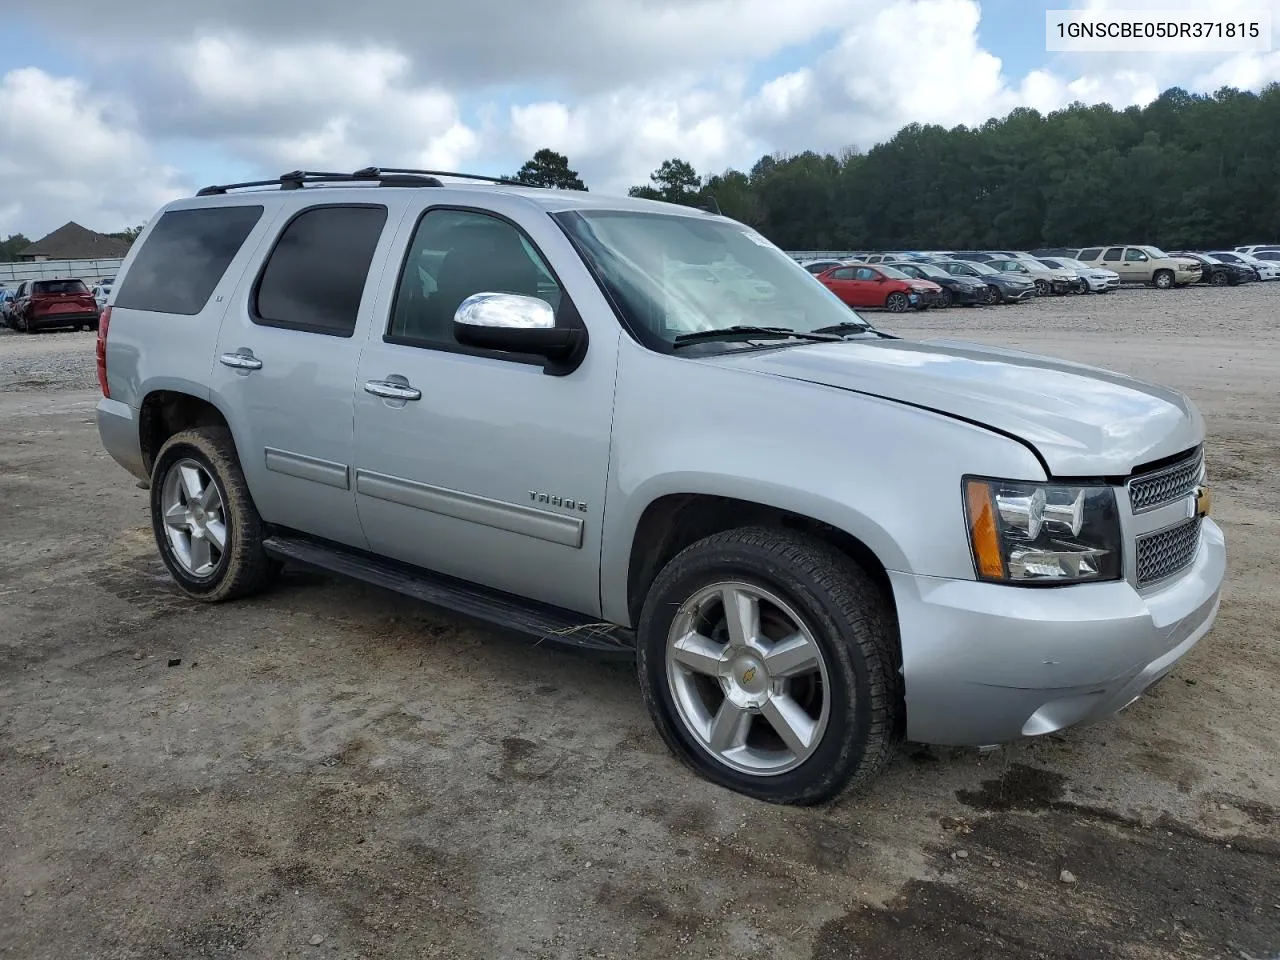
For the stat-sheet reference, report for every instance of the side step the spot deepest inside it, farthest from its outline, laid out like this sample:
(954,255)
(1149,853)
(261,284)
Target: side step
(544,623)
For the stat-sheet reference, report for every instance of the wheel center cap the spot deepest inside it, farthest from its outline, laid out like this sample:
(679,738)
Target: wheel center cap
(746,680)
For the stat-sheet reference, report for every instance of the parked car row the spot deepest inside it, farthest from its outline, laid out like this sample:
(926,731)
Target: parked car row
(35,305)
(911,279)
(1146,264)
(906,281)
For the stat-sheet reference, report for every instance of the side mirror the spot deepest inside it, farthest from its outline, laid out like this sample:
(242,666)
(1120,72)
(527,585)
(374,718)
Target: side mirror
(519,324)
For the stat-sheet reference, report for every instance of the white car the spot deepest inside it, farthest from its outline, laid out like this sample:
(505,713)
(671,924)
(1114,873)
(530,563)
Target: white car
(1257,247)
(1267,270)
(101,294)
(1097,279)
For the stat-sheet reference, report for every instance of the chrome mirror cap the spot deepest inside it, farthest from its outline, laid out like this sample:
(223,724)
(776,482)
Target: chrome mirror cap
(508,311)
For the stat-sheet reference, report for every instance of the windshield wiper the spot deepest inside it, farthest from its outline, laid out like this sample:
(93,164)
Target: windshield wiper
(847,326)
(744,332)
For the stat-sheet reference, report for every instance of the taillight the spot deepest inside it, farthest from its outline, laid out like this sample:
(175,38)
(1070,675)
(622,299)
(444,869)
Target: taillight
(104,321)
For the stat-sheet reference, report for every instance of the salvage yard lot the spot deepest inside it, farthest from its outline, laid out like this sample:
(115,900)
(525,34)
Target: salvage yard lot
(330,770)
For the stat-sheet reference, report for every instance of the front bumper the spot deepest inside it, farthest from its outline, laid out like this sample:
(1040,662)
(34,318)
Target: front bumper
(985,663)
(1014,295)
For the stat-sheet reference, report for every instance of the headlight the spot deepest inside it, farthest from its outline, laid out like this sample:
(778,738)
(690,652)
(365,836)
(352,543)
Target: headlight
(1042,533)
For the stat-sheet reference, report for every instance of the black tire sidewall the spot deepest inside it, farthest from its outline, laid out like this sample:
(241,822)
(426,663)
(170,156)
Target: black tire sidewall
(849,718)
(168,457)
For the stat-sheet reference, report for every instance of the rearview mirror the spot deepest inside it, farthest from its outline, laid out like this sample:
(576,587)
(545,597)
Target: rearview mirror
(518,324)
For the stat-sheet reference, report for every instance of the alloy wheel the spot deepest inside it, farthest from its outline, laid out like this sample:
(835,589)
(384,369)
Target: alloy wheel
(748,678)
(195,519)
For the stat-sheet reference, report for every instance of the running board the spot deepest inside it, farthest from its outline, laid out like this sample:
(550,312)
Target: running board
(544,623)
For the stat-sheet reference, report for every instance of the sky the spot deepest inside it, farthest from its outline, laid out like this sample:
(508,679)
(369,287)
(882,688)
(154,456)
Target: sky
(107,113)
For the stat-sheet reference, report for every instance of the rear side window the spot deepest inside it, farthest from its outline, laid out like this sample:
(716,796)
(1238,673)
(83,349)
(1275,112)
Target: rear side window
(1089,253)
(184,257)
(1113,255)
(315,276)
(58,286)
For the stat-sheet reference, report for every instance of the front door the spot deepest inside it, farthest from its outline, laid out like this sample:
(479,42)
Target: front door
(285,365)
(474,463)
(1137,266)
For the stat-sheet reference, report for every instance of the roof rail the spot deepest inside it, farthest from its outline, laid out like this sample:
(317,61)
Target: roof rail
(296,179)
(510,181)
(383,176)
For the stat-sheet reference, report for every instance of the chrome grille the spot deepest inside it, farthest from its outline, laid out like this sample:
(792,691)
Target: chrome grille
(1165,552)
(1167,484)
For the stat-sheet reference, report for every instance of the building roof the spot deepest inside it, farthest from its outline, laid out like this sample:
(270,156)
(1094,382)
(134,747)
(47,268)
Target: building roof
(74,242)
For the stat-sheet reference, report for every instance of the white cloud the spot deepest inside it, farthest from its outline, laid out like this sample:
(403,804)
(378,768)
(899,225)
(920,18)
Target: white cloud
(70,155)
(619,87)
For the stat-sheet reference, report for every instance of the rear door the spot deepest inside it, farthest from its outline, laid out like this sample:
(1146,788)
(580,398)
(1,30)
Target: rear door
(285,364)
(840,282)
(1113,259)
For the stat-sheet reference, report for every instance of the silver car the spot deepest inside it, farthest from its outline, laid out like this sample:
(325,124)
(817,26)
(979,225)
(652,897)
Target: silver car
(812,537)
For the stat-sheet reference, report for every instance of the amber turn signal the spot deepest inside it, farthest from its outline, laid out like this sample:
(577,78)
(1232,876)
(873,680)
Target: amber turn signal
(982,530)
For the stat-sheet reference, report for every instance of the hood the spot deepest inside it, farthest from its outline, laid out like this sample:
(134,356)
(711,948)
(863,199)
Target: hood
(1101,274)
(927,285)
(1082,420)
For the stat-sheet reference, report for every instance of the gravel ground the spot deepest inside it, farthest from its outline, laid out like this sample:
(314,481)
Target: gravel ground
(329,770)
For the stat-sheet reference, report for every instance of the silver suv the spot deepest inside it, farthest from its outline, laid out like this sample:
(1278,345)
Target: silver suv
(643,430)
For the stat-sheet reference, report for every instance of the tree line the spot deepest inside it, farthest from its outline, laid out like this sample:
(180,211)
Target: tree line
(1185,171)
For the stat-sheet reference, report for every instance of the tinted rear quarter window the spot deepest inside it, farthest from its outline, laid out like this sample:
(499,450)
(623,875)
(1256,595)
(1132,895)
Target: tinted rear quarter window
(1089,253)
(184,257)
(315,276)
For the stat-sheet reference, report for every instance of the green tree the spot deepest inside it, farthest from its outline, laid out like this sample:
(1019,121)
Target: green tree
(675,181)
(550,169)
(129,233)
(11,246)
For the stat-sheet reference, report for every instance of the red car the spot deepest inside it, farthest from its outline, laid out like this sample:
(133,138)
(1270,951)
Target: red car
(880,286)
(54,303)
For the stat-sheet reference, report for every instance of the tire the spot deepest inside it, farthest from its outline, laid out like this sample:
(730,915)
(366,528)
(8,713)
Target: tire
(1163,279)
(241,566)
(1042,288)
(994,296)
(897,302)
(834,606)
(945,298)
(1219,279)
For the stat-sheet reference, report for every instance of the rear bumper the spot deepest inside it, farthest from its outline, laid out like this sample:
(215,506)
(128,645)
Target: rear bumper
(45,320)
(985,663)
(118,430)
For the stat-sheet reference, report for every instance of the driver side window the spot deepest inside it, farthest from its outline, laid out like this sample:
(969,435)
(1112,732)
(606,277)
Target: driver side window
(453,255)
(1134,256)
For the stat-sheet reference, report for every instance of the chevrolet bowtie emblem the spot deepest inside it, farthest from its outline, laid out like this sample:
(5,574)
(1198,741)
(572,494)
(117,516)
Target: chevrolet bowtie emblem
(1204,501)
(749,675)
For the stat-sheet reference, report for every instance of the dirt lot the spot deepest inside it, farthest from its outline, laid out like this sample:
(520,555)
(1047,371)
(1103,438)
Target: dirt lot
(333,771)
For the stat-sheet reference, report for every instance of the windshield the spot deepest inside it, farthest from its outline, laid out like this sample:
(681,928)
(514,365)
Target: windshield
(1155,253)
(670,275)
(981,268)
(929,270)
(893,272)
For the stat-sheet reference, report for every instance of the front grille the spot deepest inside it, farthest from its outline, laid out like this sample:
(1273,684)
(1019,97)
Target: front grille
(1165,552)
(1167,484)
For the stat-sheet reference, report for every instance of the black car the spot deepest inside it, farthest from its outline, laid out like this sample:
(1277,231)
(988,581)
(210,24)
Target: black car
(1001,287)
(956,288)
(1217,272)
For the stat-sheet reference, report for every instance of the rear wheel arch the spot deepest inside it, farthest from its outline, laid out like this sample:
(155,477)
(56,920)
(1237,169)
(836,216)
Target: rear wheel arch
(164,413)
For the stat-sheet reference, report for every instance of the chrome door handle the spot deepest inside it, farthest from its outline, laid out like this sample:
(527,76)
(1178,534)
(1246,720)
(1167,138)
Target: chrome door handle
(392,391)
(240,361)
